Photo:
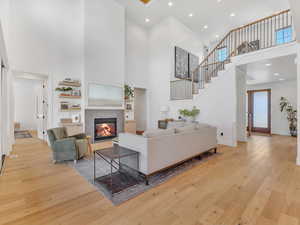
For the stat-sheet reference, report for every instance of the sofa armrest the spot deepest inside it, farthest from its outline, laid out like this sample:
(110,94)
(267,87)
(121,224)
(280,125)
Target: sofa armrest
(137,143)
(132,141)
(79,136)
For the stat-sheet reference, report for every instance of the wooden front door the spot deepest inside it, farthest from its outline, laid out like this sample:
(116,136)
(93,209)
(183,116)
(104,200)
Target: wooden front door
(259,111)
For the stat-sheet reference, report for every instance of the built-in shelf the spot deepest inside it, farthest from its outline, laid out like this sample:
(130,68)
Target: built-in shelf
(70,110)
(103,108)
(70,84)
(70,96)
(71,124)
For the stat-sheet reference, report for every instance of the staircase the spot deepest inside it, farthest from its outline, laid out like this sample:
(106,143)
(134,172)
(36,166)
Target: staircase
(261,34)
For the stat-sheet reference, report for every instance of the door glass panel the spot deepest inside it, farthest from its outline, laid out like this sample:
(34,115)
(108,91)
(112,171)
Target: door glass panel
(260,109)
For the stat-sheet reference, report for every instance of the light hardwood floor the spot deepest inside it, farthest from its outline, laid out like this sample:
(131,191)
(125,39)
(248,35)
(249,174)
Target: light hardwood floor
(255,184)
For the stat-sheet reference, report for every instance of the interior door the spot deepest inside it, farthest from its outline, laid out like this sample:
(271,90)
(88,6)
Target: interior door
(259,111)
(1,109)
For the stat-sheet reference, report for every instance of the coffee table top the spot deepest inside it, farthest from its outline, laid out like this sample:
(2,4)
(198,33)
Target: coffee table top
(115,152)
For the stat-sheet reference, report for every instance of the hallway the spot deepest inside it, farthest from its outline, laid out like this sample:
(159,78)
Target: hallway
(257,183)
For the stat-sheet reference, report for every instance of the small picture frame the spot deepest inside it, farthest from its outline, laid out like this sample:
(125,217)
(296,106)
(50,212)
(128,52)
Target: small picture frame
(128,106)
(64,105)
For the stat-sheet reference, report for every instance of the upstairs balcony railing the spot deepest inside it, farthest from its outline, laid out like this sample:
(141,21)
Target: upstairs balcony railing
(265,33)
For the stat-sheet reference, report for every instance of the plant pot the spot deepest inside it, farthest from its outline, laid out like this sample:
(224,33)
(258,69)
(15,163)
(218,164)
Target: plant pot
(293,133)
(189,119)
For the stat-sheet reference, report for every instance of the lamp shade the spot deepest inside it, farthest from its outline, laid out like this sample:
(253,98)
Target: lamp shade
(164,108)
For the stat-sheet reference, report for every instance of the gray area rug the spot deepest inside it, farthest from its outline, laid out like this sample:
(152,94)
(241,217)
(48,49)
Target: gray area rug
(22,134)
(85,168)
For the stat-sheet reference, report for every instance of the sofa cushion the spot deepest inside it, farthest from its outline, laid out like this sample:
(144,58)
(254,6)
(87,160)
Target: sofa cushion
(158,132)
(186,129)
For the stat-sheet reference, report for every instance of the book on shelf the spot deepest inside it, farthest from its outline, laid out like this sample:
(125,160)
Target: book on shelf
(70,82)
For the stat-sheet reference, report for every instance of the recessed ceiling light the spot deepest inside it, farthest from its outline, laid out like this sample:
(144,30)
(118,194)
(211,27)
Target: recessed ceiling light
(232,14)
(276,74)
(219,0)
(217,36)
(205,27)
(147,20)
(268,64)
(170,4)
(191,15)
(281,79)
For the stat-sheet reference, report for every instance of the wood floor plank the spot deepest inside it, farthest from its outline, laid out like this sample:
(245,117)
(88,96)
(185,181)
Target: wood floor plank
(287,220)
(256,183)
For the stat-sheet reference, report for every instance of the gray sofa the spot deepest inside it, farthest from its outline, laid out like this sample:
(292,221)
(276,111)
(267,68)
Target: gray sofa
(160,149)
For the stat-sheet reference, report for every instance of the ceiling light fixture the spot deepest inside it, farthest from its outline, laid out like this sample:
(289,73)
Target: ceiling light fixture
(191,15)
(232,14)
(276,74)
(281,79)
(170,4)
(219,1)
(217,36)
(268,64)
(205,27)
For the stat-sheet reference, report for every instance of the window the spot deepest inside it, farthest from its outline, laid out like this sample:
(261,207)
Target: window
(222,54)
(284,35)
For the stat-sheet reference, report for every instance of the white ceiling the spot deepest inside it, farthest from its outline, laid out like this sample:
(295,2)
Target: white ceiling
(272,70)
(214,14)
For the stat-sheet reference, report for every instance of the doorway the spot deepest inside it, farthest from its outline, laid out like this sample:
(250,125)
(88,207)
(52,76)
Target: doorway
(140,109)
(31,105)
(259,111)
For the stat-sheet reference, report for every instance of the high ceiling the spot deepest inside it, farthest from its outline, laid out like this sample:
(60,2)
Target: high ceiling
(273,70)
(217,15)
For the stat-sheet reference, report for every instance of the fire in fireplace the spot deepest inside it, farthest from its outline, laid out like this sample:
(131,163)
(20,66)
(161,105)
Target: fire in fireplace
(105,128)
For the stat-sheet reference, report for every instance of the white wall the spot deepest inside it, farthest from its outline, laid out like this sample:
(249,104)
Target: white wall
(295,8)
(104,42)
(218,105)
(6,120)
(298,96)
(25,93)
(241,105)
(140,108)
(162,40)
(4,19)
(279,123)
(137,60)
(46,37)
(217,102)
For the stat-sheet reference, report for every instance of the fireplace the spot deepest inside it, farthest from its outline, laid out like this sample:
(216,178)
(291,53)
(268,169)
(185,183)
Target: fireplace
(105,128)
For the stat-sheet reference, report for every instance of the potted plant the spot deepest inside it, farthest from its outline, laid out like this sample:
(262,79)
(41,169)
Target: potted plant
(128,92)
(189,115)
(291,113)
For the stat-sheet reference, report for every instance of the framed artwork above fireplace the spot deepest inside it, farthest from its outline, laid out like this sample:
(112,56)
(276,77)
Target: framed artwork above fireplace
(100,95)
